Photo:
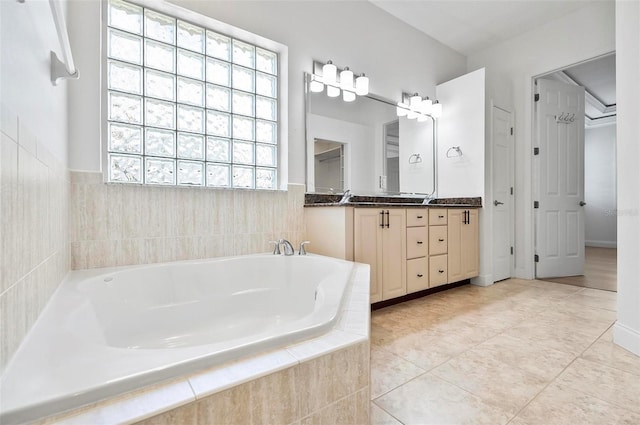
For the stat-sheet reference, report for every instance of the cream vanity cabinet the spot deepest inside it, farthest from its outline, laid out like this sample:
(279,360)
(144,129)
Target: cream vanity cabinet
(417,249)
(463,244)
(380,241)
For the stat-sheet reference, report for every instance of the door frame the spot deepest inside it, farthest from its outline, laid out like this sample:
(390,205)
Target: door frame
(528,266)
(512,182)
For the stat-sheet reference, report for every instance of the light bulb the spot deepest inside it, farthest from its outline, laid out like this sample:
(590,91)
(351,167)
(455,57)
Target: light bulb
(329,71)
(402,109)
(414,102)
(425,106)
(316,86)
(333,91)
(436,110)
(362,85)
(346,79)
(348,96)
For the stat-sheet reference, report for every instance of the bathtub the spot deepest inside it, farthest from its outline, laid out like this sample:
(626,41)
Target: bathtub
(109,331)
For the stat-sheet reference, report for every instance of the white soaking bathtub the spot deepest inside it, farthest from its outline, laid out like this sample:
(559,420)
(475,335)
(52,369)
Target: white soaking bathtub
(108,331)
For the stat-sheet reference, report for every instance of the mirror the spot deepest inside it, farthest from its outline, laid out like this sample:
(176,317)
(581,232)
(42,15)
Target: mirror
(365,147)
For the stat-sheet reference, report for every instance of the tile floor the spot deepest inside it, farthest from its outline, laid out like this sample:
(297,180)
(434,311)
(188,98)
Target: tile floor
(518,352)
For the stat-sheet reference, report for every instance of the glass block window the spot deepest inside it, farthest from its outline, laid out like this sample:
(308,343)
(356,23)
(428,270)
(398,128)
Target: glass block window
(188,106)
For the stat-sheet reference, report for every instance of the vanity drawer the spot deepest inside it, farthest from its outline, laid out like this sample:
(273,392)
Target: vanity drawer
(417,242)
(417,217)
(437,240)
(417,274)
(438,270)
(437,216)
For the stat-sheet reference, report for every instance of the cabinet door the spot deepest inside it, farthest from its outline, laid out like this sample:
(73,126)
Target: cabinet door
(437,270)
(368,247)
(394,254)
(469,242)
(454,253)
(417,242)
(417,274)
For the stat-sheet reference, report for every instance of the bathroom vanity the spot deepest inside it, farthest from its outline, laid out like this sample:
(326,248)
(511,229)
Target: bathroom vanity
(411,248)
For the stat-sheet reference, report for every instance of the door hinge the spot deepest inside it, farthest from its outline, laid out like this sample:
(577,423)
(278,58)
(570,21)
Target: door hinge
(536,204)
(536,97)
(511,250)
(512,131)
(536,151)
(536,258)
(511,190)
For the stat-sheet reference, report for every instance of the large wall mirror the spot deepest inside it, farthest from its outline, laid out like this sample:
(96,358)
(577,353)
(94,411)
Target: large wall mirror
(365,147)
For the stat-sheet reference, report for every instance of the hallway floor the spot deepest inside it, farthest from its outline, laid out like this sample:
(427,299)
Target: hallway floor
(600,270)
(518,352)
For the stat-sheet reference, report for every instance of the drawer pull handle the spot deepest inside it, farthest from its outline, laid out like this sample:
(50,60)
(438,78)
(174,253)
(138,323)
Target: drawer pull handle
(440,216)
(440,271)
(419,216)
(419,242)
(420,275)
(440,240)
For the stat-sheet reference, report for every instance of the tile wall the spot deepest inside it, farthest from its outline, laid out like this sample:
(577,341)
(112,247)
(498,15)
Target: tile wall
(116,224)
(34,244)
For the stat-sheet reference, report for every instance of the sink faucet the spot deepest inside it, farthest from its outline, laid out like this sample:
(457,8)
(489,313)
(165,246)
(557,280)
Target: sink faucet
(288,248)
(345,197)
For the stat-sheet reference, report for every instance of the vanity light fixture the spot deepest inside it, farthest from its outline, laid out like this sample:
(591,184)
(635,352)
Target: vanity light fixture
(338,81)
(413,106)
(362,85)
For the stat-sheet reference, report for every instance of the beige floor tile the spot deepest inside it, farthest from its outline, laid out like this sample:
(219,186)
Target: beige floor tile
(607,353)
(430,400)
(593,299)
(561,405)
(603,382)
(381,417)
(538,360)
(389,371)
(499,384)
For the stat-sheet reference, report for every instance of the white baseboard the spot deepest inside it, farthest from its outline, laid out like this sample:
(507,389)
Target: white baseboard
(627,338)
(482,280)
(601,244)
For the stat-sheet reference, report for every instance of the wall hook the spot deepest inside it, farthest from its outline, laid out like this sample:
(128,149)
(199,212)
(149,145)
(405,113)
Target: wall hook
(454,151)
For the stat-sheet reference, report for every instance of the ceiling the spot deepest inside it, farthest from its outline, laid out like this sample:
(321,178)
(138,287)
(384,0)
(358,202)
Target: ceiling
(468,26)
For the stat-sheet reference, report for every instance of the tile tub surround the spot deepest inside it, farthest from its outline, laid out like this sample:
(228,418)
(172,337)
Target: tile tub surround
(34,208)
(120,224)
(321,380)
(517,352)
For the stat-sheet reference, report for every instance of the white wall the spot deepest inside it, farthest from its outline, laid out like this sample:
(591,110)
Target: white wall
(462,124)
(510,67)
(395,56)
(627,328)
(28,35)
(600,186)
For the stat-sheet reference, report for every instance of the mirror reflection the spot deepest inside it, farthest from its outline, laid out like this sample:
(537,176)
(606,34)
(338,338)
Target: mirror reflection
(365,147)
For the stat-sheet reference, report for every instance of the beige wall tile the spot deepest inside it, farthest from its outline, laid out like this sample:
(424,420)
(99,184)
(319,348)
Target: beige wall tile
(274,398)
(228,407)
(10,213)
(329,378)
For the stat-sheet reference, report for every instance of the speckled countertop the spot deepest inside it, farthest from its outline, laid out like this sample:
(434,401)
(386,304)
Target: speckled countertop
(325,200)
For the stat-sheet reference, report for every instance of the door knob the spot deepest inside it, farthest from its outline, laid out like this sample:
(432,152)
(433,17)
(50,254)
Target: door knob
(582,203)
(496,203)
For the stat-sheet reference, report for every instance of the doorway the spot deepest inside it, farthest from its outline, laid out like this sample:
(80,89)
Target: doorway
(594,226)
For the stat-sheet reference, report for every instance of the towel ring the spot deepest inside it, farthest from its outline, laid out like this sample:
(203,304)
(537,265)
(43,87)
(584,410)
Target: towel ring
(456,152)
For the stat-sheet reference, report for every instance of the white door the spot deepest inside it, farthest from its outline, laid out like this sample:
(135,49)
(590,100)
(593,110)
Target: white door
(559,179)
(502,202)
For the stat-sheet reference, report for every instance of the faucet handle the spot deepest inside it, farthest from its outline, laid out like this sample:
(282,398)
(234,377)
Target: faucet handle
(276,248)
(303,251)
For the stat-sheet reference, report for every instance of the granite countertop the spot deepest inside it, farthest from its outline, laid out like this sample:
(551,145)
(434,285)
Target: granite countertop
(325,200)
